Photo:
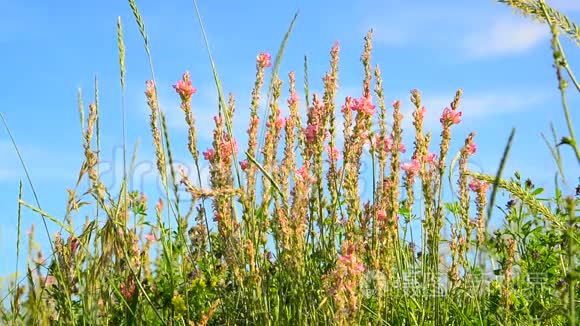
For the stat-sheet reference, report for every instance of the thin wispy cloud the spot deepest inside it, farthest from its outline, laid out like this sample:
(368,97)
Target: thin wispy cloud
(483,105)
(504,37)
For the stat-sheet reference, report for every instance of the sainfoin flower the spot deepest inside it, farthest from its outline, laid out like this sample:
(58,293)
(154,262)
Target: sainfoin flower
(363,105)
(333,153)
(431,158)
(150,237)
(478,185)
(184,88)
(348,104)
(450,117)
(159,205)
(228,148)
(352,263)
(310,132)
(244,165)
(293,100)
(264,60)
(389,145)
(471,148)
(50,280)
(422,112)
(381,214)
(304,174)
(411,168)
(278,124)
(149,88)
(209,154)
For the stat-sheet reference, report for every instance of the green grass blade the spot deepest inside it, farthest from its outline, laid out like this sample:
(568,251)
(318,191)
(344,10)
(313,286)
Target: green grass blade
(502,163)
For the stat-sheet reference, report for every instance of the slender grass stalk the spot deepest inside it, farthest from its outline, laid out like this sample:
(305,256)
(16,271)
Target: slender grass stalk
(495,184)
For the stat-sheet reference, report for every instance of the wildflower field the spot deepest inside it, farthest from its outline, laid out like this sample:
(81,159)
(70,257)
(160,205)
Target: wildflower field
(274,228)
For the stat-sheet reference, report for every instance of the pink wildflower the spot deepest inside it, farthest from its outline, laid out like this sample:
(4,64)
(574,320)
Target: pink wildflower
(50,280)
(351,263)
(450,117)
(363,105)
(431,158)
(293,100)
(278,124)
(228,148)
(150,88)
(478,186)
(348,104)
(333,153)
(209,154)
(159,206)
(471,148)
(310,132)
(183,87)
(411,168)
(74,245)
(389,145)
(304,174)
(381,214)
(127,289)
(244,165)
(150,237)
(264,60)
(422,112)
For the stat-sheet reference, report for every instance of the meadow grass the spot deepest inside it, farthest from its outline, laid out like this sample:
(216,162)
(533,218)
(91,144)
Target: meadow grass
(282,235)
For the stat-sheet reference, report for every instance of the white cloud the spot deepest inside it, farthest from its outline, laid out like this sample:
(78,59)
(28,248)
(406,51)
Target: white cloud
(504,37)
(480,105)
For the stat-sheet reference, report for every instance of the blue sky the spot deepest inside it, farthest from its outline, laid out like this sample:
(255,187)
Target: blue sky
(49,49)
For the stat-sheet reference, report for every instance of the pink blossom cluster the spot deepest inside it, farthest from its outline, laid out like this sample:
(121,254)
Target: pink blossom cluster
(388,144)
(411,168)
(333,153)
(278,124)
(363,105)
(149,88)
(184,88)
(264,60)
(244,165)
(450,117)
(478,185)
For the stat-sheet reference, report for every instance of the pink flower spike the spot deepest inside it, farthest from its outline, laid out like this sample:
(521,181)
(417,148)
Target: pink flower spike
(183,87)
(293,100)
(310,132)
(244,165)
(209,154)
(336,46)
(471,148)
(50,280)
(279,124)
(450,117)
(431,158)
(333,153)
(149,88)
(304,174)
(264,60)
(478,186)
(150,237)
(228,148)
(411,168)
(402,148)
(381,214)
(363,105)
